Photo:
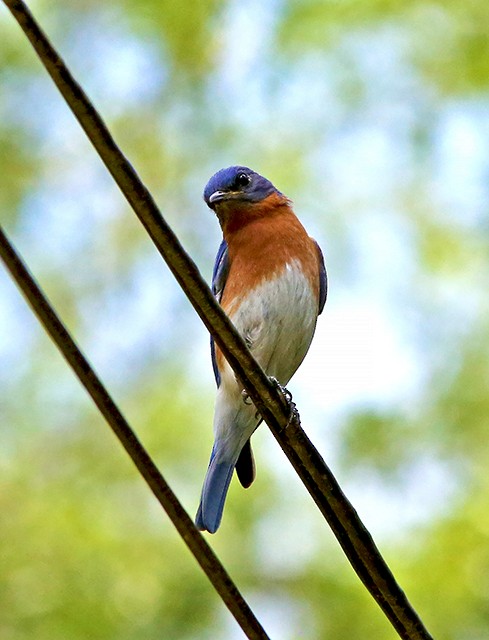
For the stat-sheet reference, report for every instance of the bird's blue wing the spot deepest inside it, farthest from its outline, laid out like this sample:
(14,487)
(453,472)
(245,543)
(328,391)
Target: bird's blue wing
(219,277)
(323,280)
(221,270)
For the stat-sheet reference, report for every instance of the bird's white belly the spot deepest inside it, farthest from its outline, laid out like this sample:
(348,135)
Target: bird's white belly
(277,320)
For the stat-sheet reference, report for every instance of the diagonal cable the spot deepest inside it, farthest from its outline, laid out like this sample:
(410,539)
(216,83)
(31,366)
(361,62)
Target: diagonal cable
(89,379)
(353,537)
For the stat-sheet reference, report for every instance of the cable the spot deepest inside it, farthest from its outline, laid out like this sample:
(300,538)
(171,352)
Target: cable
(353,537)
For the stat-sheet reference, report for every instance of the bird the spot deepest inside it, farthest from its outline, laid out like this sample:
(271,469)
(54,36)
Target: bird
(270,279)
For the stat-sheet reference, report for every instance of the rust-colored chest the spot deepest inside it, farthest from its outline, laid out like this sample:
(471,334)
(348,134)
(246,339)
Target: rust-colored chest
(262,247)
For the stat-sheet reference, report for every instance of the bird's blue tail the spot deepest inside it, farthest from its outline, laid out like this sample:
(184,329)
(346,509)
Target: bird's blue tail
(214,491)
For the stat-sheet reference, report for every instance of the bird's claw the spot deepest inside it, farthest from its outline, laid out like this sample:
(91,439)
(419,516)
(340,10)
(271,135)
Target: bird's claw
(248,401)
(246,397)
(294,413)
(287,396)
(283,390)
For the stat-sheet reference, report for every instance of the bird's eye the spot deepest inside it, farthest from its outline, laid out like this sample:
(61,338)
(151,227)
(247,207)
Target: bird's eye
(242,180)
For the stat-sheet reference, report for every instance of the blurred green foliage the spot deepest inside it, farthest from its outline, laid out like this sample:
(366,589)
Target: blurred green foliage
(374,117)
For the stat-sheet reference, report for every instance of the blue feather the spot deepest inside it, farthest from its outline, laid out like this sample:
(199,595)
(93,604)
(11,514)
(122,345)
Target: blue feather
(323,279)
(219,277)
(214,492)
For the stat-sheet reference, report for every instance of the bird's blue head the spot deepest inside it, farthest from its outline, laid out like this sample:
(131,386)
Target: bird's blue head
(239,185)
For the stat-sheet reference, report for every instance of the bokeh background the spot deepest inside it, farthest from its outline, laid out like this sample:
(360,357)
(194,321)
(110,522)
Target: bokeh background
(374,118)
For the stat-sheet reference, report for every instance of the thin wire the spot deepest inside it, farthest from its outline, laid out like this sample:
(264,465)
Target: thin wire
(202,552)
(353,537)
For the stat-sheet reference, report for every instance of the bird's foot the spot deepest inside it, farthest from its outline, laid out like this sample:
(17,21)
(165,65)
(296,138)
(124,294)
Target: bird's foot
(294,413)
(248,401)
(283,390)
(246,397)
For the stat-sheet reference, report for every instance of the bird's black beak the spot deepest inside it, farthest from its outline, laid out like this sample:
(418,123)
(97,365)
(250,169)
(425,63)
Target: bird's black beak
(218,196)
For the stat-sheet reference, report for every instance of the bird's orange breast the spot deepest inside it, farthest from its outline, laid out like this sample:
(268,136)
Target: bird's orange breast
(260,246)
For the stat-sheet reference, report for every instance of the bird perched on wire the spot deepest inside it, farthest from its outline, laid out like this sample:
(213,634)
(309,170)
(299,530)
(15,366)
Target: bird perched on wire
(270,279)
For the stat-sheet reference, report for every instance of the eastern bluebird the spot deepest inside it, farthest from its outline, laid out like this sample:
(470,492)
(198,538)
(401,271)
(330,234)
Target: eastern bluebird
(270,279)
